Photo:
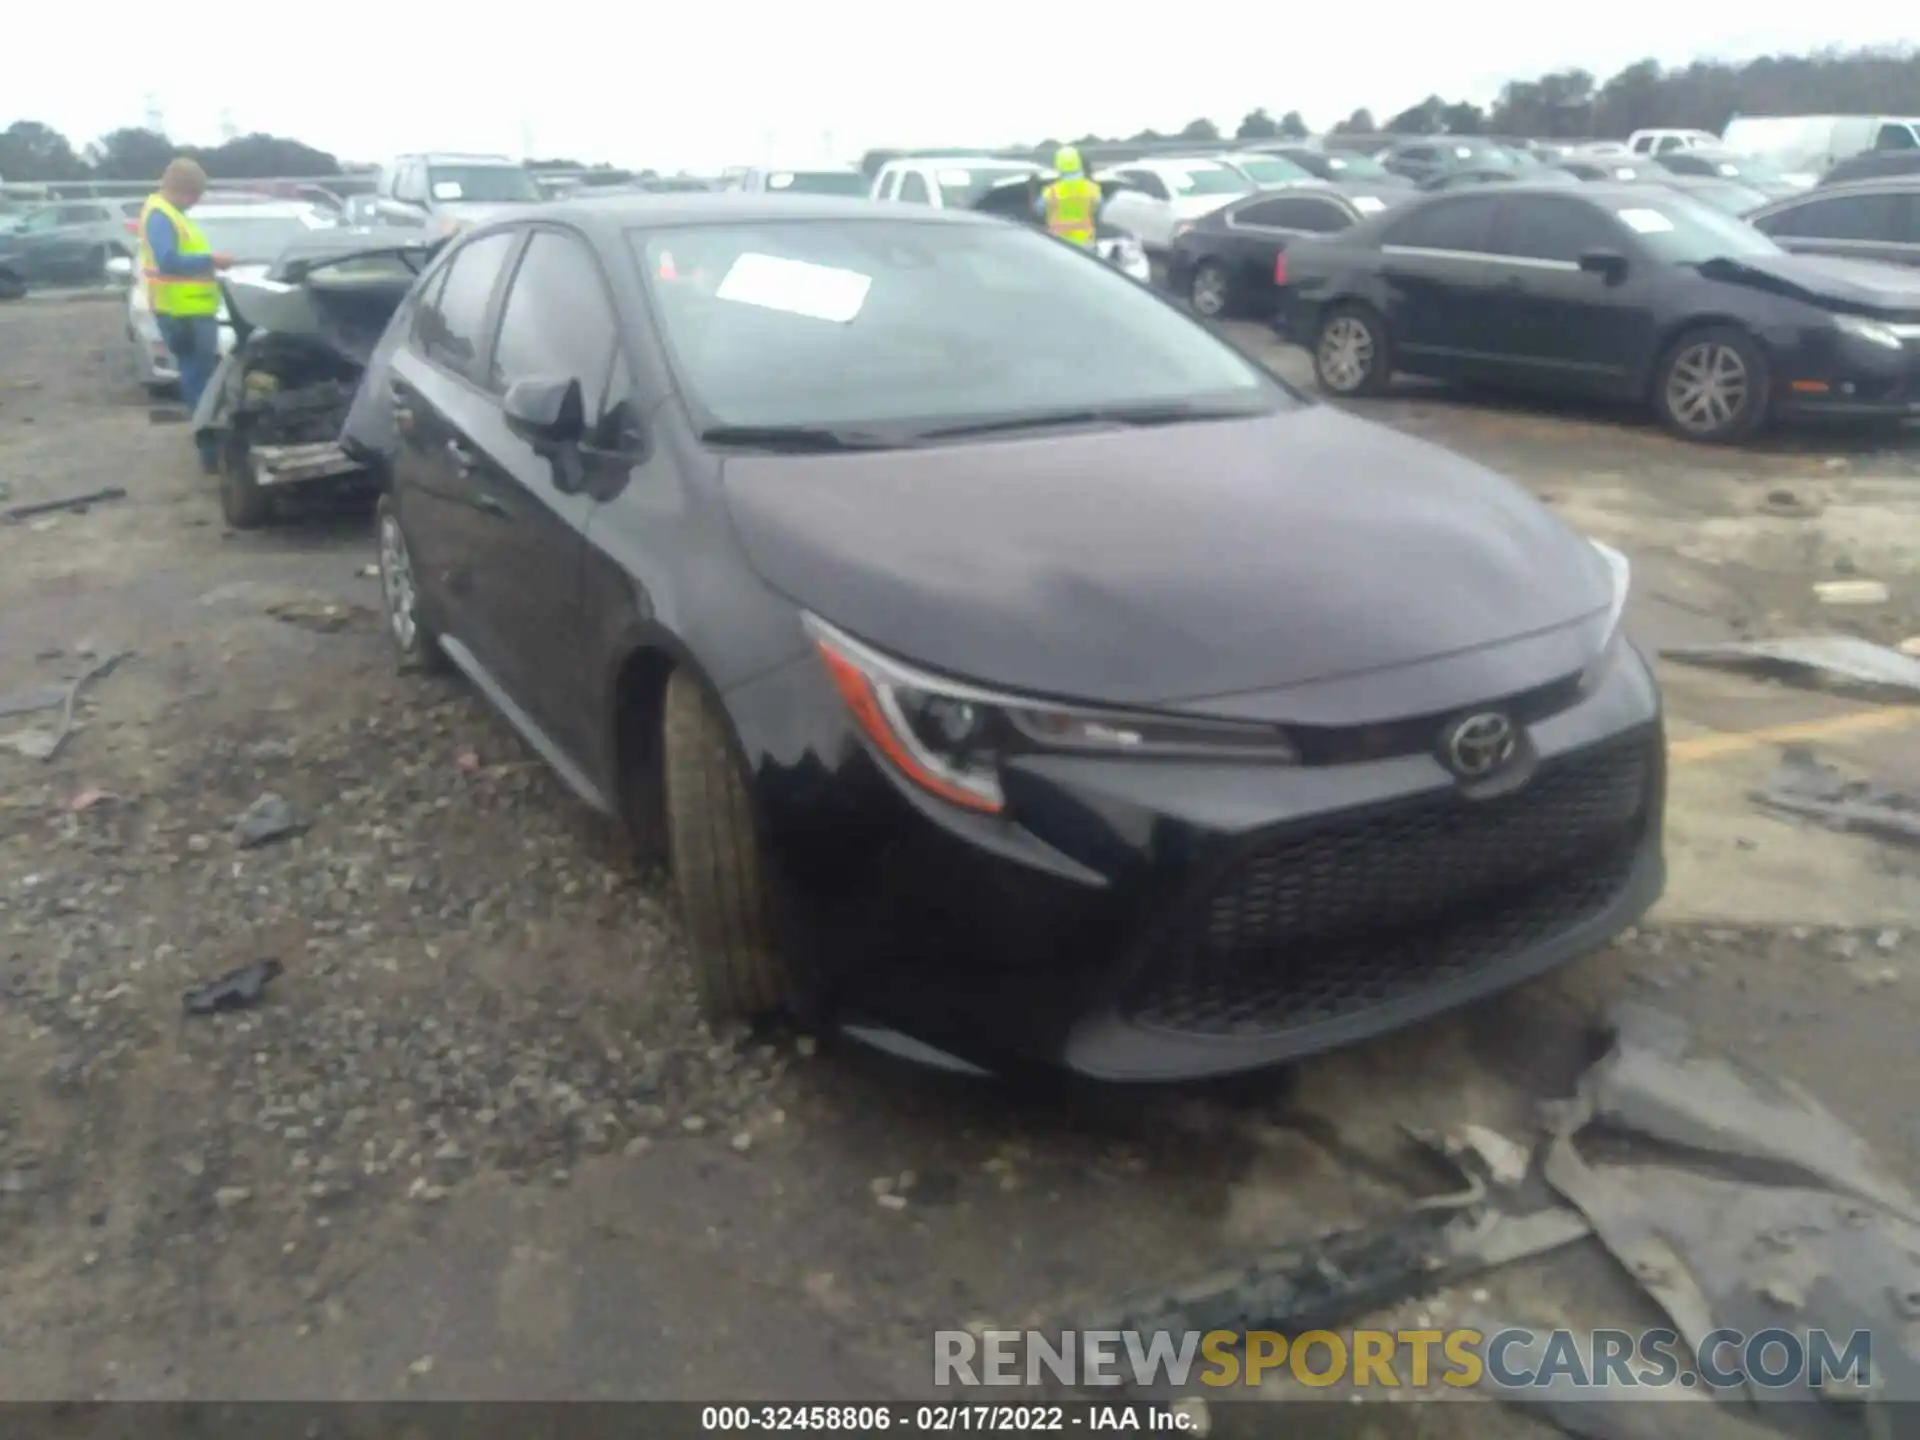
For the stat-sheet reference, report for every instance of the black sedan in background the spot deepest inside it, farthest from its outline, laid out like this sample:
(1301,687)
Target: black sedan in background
(997,657)
(1495,175)
(1227,263)
(1729,197)
(1611,169)
(1704,164)
(1630,291)
(1868,220)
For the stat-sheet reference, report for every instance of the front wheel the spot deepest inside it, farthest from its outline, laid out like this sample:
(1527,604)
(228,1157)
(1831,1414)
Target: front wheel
(715,852)
(243,504)
(1713,385)
(1352,354)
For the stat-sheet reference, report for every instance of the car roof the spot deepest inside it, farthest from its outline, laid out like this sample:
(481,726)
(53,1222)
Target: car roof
(620,212)
(1173,162)
(1339,189)
(962,162)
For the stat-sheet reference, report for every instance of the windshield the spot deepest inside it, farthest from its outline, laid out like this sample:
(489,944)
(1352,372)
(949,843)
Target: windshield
(961,188)
(819,182)
(1206,180)
(487,184)
(901,323)
(1747,167)
(1270,169)
(253,240)
(1684,231)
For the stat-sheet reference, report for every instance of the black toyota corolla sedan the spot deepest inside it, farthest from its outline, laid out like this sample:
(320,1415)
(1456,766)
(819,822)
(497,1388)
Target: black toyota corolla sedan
(1635,292)
(1008,670)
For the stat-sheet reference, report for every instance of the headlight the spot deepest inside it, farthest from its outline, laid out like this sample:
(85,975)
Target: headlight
(1871,331)
(1622,580)
(951,738)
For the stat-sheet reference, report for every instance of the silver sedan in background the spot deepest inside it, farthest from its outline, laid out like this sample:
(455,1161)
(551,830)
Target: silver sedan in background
(253,233)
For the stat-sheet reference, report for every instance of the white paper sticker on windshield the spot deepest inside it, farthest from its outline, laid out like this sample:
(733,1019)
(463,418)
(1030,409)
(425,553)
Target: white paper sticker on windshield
(954,177)
(1623,172)
(447,190)
(779,182)
(1645,222)
(1368,204)
(819,292)
(1464,152)
(1730,171)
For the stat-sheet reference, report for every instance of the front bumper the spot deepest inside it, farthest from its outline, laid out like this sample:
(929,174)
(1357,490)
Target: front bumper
(1844,376)
(1174,920)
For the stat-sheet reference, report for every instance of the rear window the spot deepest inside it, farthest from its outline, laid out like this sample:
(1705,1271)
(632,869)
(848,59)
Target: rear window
(484,184)
(961,187)
(838,323)
(1206,180)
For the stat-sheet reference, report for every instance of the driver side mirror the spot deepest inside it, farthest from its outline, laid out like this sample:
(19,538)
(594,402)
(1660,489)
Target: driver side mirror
(547,414)
(120,269)
(1610,265)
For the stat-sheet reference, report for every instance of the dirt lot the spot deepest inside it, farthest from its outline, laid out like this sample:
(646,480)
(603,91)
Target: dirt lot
(475,1143)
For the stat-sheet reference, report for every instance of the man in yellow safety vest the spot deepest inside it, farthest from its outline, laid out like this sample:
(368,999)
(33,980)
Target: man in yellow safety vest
(178,266)
(1072,202)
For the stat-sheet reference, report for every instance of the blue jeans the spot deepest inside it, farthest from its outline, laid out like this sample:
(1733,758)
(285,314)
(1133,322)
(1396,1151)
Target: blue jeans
(194,343)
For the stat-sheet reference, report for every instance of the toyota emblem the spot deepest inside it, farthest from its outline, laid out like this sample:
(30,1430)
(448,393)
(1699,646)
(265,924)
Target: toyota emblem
(1478,745)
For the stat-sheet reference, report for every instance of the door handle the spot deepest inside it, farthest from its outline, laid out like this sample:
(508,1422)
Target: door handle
(462,456)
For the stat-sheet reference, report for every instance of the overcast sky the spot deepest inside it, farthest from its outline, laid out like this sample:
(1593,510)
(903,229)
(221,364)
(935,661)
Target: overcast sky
(705,85)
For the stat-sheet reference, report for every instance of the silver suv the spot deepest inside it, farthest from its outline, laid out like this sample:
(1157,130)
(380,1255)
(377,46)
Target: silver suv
(444,191)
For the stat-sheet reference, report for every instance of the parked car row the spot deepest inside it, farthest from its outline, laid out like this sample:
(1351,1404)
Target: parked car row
(717,498)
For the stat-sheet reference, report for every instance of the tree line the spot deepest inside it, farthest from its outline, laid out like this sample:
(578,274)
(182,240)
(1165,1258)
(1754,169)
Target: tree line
(33,152)
(1574,105)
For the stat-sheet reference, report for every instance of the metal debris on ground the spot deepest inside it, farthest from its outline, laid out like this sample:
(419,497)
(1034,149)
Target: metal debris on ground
(267,819)
(1802,785)
(76,504)
(42,742)
(1782,1214)
(1501,1214)
(236,990)
(33,698)
(1842,659)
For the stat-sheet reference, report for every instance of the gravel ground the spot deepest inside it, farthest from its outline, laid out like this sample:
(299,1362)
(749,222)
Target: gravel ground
(475,1142)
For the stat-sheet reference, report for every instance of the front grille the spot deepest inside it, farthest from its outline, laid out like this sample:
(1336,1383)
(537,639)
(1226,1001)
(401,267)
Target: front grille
(1306,926)
(1416,735)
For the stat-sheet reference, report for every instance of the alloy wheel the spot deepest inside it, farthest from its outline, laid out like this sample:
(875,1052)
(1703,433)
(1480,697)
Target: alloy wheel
(1346,353)
(1707,387)
(396,583)
(1210,291)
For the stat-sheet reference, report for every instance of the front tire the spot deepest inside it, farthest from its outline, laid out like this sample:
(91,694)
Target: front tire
(719,867)
(243,503)
(1210,292)
(415,643)
(1713,385)
(1352,353)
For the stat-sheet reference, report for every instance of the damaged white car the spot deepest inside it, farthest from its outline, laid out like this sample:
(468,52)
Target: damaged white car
(303,331)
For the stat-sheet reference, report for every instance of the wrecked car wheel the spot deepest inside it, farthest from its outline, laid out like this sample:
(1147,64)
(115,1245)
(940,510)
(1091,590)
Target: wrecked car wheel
(1351,354)
(719,873)
(242,502)
(416,644)
(1713,385)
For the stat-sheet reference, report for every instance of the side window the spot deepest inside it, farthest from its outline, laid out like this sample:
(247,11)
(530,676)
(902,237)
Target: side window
(80,214)
(557,323)
(1906,219)
(1843,217)
(1460,224)
(1315,216)
(411,182)
(913,188)
(1551,229)
(1150,184)
(1418,154)
(1896,137)
(452,325)
(889,186)
(1644,145)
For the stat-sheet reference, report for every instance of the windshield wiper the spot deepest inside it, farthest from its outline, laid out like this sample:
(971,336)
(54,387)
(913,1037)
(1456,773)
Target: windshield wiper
(1169,413)
(797,439)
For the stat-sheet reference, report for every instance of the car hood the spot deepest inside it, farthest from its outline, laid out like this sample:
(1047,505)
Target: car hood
(1863,287)
(1171,564)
